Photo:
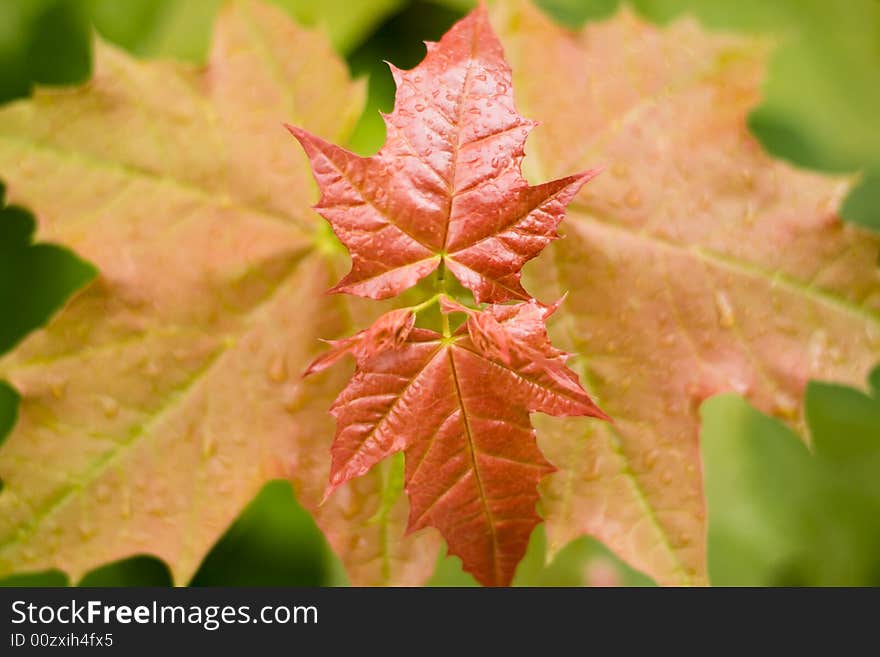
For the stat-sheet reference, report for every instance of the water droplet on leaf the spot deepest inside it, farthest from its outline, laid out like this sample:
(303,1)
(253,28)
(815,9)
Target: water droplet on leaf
(109,406)
(278,370)
(633,199)
(723,306)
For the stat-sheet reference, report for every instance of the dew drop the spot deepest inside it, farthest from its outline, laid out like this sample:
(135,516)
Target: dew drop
(836,355)
(126,507)
(278,370)
(668,339)
(740,386)
(86,530)
(749,217)
(110,407)
(818,349)
(726,318)
(293,398)
(666,477)
(872,331)
(651,458)
(633,199)
(102,493)
(152,369)
(420,108)
(209,446)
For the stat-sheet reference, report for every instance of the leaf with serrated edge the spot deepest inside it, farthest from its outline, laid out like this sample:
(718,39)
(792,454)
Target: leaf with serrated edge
(697,264)
(446,187)
(461,415)
(158,402)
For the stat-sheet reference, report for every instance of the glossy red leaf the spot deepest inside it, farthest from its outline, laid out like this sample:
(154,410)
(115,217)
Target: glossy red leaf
(446,187)
(461,414)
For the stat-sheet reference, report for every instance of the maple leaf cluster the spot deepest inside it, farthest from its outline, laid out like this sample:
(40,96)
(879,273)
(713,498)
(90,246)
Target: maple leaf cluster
(445,194)
(165,394)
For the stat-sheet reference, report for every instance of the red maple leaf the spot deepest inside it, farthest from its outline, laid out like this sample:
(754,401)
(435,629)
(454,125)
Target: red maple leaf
(446,191)
(460,412)
(446,186)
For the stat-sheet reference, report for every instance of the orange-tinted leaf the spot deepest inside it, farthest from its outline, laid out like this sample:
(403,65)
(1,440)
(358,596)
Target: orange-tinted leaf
(160,400)
(695,265)
(446,187)
(461,415)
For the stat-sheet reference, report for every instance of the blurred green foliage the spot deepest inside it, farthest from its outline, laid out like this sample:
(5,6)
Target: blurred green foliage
(583,562)
(48,41)
(34,278)
(45,41)
(779,514)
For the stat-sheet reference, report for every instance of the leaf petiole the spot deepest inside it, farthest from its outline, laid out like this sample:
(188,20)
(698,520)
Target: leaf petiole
(424,305)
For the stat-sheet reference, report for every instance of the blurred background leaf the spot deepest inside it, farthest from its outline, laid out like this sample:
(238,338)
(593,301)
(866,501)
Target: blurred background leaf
(781,514)
(34,278)
(583,562)
(822,93)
